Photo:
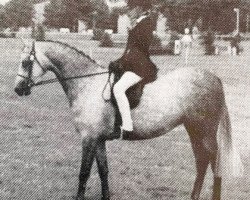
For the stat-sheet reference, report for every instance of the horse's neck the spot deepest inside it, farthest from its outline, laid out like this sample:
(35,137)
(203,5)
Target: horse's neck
(82,86)
(74,68)
(68,63)
(72,65)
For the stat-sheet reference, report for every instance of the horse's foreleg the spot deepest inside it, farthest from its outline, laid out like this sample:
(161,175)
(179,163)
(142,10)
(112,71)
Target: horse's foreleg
(101,159)
(217,188)
(88,153)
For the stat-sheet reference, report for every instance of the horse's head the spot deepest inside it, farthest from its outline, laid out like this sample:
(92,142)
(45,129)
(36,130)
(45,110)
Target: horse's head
(60,58)
(30,67)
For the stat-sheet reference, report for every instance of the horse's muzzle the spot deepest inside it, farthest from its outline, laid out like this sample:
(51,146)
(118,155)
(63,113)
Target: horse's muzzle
(23,91)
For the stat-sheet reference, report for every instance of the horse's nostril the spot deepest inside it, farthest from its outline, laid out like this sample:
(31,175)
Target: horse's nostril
(27,92)
(19,91)
(23,91)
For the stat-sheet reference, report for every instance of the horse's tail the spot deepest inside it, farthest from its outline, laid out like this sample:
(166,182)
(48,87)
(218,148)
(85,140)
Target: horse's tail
(228,158)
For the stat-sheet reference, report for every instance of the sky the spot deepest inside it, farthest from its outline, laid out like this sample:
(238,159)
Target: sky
(3,1)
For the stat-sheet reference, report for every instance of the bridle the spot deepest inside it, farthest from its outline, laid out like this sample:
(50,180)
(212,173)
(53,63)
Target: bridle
(28,64)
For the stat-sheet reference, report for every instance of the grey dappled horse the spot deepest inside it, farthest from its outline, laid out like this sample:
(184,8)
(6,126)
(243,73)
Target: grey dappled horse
(188,96)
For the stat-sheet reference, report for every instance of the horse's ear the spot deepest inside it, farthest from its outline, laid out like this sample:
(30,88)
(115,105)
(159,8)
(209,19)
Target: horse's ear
(33,45)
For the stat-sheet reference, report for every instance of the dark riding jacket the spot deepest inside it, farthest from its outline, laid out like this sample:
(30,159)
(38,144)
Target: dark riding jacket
(136,56)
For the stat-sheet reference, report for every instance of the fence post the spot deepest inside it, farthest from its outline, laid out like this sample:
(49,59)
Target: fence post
(177,47)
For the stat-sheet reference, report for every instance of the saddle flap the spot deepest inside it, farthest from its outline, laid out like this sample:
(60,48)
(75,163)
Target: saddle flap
(134,95)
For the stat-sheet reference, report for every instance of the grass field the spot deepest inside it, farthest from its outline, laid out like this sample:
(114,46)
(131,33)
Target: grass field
(40,151)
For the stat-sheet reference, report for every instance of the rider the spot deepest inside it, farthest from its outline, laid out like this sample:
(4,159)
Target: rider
(135,60)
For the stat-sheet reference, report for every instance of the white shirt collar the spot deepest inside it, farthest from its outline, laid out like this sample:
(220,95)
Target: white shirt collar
(140,18)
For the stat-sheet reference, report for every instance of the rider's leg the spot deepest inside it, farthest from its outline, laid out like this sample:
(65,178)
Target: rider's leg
(127,80)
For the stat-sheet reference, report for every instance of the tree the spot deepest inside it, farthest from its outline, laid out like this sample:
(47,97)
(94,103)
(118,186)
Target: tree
(215,14)
(53,14)
(71,13)
(2,17)
(65,13)
(37,1)
(103,18)
(18,13)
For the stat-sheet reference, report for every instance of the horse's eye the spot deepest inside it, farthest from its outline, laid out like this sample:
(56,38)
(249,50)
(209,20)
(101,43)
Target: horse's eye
(26,63)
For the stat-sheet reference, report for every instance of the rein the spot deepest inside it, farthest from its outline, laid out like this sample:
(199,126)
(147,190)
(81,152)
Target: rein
(33,58)
(44,82)
(53,80)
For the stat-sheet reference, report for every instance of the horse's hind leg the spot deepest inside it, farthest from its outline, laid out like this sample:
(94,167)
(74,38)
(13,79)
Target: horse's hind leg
(101,159)
(203,138)
(217,181)
(201,159)
(211,145)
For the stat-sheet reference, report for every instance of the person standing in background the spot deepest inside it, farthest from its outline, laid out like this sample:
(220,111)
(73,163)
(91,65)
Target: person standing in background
(186,42)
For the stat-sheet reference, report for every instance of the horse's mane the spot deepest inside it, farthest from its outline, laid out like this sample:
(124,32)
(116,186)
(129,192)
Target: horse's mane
(73,48)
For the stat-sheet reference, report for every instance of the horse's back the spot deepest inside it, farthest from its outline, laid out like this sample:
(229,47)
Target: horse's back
(184,91)
(182,82)
(186,76)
